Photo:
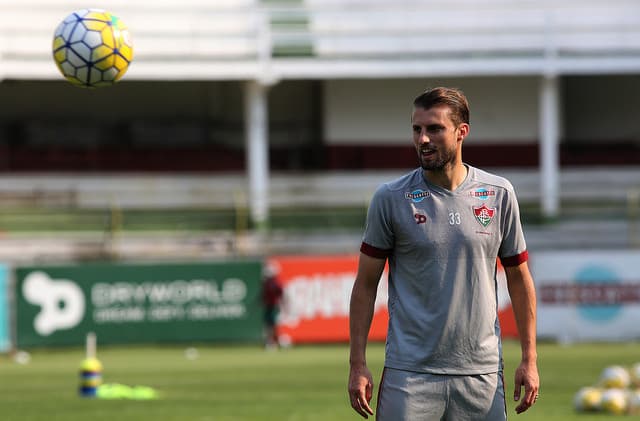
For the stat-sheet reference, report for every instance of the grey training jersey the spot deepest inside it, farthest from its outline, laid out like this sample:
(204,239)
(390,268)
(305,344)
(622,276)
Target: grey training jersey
(442,247)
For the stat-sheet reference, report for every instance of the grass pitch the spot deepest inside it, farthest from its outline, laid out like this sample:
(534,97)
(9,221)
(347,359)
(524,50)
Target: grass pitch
(238,383)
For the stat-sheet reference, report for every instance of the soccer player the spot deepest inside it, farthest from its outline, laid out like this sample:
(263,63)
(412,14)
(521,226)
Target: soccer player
(442,227)
(272,294)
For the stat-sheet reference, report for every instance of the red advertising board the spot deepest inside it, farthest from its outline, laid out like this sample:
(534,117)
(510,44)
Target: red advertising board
(317,291)
(508,325)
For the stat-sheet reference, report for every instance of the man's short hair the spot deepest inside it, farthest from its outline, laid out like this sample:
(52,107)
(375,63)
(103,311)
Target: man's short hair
(451,97)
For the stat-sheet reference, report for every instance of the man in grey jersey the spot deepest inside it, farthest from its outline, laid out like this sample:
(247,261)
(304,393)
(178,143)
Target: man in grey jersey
(442,228)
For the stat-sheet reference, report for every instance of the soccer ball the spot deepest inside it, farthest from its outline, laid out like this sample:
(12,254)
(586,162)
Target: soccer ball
(635,374)
(634,402)
(92,48)
(587,399)
(615,376)
(615,401)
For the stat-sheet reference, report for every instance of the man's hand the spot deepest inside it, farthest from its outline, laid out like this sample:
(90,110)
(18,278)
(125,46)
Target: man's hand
(526,376)
(360,389)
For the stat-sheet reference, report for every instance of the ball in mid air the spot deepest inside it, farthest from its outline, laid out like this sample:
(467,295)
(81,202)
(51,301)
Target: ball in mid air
(92,48)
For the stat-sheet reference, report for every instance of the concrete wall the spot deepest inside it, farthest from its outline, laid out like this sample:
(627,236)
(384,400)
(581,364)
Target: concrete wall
(600,108)
(503,110)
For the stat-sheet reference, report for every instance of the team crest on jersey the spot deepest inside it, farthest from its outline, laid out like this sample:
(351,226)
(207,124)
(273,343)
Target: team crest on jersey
(417,196)
(483,214)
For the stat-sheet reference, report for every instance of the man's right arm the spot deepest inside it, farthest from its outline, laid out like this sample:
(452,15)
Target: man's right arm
(363,297)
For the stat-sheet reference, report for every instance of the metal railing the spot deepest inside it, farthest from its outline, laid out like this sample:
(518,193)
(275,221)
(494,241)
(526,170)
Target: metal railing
(633,216)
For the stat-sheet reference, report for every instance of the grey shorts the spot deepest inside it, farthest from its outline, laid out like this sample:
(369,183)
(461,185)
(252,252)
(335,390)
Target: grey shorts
(410,396)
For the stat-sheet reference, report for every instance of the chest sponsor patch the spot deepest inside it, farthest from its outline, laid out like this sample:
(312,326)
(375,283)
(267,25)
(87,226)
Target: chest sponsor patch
(417,196)
(483,214)
(482,193)
(420,218)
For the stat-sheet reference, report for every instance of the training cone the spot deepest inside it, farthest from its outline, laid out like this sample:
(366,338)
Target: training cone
(90,377)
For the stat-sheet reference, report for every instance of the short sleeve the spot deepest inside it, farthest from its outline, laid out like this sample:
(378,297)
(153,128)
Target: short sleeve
(378,238)
(513,249)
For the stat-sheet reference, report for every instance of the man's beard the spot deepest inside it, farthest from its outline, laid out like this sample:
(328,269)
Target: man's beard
(443,158)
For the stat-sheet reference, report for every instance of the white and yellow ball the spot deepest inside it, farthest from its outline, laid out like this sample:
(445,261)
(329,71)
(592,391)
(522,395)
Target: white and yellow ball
(92,48)
(634,402)
(615,376)
(615,401)
(634,371)
(588,399)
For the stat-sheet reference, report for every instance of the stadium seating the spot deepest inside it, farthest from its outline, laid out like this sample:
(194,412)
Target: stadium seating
(172,39)
(249,39)
(468,28)
(337,189)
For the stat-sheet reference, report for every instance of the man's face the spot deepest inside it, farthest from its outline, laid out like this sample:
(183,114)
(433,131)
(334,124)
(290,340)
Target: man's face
(436,138)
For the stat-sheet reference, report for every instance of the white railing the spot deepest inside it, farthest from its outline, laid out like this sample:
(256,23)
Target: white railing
(332,189)
(633,214)
(250,39)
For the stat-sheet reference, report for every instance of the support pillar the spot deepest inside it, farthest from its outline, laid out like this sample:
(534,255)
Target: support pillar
(549,146)
(257,152)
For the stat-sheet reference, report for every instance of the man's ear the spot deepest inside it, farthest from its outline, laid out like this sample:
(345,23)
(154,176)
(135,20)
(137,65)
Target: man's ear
(463,131)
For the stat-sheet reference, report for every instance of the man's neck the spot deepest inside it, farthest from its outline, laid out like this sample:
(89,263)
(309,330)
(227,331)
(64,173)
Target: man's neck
(449,177)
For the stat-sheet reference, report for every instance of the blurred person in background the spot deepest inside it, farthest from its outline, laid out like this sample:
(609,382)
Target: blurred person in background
(442,228)
(272,294)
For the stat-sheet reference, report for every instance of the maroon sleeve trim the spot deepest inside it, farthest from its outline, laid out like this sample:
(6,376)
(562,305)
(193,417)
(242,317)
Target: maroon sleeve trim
(515,260)
(375,252)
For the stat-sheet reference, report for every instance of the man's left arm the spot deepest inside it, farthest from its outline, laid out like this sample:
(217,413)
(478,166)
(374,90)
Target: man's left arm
(523,301)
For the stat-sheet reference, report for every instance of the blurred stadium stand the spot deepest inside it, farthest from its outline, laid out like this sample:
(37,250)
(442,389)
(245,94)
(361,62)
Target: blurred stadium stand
(172,134)
(273,40)
(353,189)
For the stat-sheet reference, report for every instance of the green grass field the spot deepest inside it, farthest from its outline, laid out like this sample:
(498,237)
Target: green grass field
(248,383)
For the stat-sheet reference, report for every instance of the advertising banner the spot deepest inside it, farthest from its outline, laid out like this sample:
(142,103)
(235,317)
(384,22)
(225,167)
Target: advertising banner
(588,295)
(127,303)
(508,327)
(5,341)
(317,290)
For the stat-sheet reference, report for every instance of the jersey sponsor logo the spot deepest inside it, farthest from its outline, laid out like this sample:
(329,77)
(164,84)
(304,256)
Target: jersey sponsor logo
(417,196)
(482,193)
(483,214)
(420,218)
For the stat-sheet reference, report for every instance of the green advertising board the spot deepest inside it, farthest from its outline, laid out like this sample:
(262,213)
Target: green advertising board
(5,343)
(134,303)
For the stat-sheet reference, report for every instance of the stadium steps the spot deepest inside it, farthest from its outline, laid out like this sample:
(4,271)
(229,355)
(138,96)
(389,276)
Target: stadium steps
(96,217)
(592,186)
